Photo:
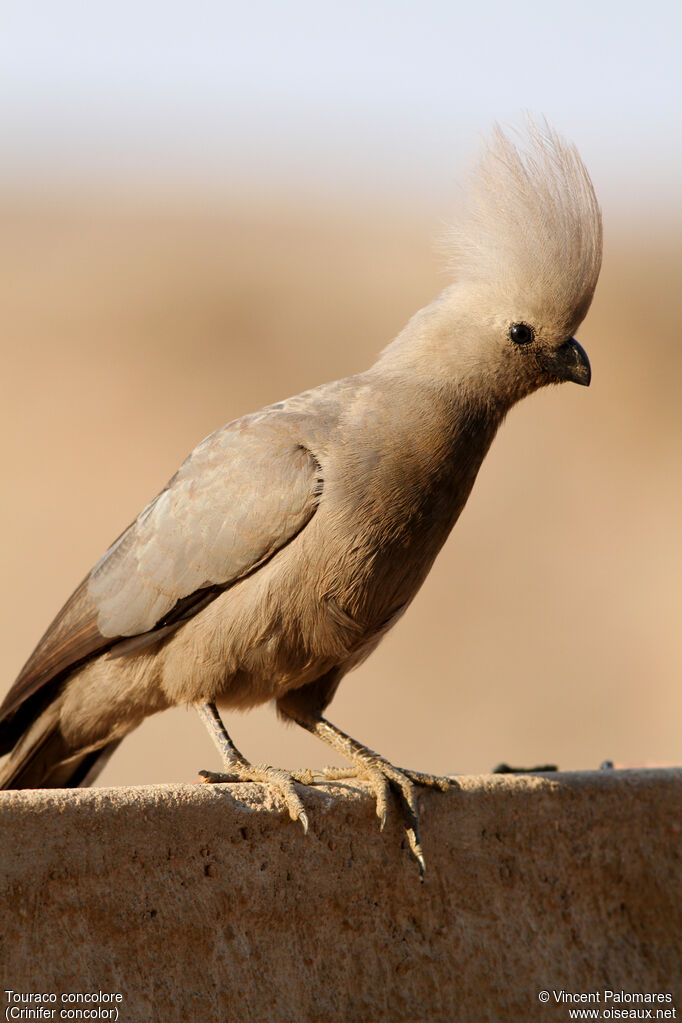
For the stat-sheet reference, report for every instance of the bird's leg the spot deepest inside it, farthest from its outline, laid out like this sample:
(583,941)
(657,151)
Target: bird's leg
(380,774)
(208,712)
(238,767)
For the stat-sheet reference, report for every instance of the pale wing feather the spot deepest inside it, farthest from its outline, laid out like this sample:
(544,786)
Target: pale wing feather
(242,494)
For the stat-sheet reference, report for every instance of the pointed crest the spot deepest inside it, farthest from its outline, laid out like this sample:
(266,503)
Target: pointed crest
(530,224)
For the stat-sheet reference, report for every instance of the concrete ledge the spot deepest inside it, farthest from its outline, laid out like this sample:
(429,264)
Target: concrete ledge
(207,903)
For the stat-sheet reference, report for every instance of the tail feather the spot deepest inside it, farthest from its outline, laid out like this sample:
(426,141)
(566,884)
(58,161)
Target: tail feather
(42,759)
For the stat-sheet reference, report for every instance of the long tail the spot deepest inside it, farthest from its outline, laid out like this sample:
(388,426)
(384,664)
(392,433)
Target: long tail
(41,759)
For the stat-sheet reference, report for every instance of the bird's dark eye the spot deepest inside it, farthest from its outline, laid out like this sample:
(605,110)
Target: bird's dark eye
(521,333)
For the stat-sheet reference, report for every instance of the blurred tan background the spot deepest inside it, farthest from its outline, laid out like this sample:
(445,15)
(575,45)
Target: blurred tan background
(206,208)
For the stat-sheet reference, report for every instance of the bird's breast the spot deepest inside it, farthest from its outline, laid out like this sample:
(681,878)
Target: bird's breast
(379,527)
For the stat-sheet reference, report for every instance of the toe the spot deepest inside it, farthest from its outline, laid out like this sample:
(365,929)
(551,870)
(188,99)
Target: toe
(282,781)
(380,790)
(415,847)
(215,778)
(434,781)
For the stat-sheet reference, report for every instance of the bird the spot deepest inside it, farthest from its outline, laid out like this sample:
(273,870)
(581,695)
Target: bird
(291,540)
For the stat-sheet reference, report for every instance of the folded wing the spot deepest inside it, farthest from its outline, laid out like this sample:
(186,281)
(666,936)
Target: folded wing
(241,496)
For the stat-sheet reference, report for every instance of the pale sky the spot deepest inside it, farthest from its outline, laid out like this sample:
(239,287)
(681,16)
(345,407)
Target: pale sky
(385,96)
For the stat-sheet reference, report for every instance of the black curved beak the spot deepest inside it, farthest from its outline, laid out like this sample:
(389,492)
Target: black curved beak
(569,362)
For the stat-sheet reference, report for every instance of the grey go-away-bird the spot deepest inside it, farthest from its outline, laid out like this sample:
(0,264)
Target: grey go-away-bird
(291,540)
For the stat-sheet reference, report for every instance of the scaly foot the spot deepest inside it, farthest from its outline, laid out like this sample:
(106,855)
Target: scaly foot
(381,777)
(367,766)
(279,779)
(238,767)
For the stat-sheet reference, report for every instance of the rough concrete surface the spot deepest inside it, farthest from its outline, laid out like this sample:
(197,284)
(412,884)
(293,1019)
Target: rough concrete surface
(207,903)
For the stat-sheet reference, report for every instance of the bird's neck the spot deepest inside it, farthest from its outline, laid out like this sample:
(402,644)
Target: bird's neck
(442,349)
(428,435)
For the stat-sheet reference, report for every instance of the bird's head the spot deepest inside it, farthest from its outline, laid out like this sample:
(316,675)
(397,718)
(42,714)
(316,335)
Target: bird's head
(524,254)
